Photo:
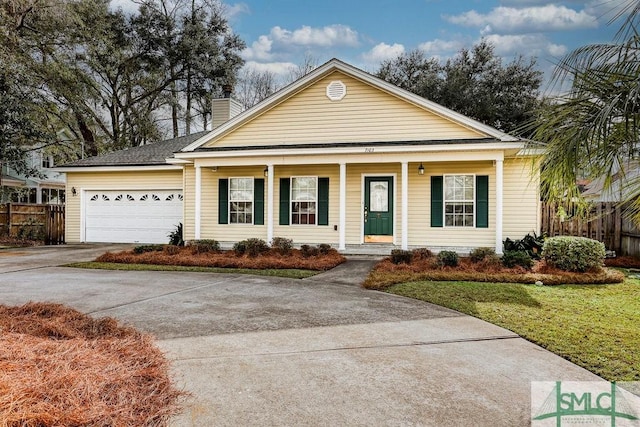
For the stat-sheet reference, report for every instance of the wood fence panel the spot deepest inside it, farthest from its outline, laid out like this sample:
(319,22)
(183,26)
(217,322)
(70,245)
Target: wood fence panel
(34,222)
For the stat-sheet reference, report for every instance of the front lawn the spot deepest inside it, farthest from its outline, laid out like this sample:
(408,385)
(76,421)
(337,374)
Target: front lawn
(594,326)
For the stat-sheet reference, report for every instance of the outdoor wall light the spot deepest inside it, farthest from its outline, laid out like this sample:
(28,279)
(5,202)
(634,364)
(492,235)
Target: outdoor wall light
(421,169)
(74,192)
(266,171)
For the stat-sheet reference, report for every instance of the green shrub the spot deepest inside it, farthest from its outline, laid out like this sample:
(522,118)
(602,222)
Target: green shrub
(532,244)
(282,245)
(448,258)
(309,251)
(479,254)
(574,253)
(251,247)
(400,256)
(512,259)
(203,246)
(147,248)
(324,248)
(176,236)
(421,253)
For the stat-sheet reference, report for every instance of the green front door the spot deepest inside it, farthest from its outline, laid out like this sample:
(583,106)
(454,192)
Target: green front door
(378,208)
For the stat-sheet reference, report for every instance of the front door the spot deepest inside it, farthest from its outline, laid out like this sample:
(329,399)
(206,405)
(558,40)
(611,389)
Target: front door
(378,209)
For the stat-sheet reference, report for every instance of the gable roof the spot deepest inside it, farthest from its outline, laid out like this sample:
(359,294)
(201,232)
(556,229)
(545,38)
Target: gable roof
(144,155)
(337,65)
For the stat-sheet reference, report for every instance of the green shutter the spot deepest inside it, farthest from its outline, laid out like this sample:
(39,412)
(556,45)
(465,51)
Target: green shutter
(323,201)
(223,201)
(285,184)
(482,201)
(258,201)
(436,201)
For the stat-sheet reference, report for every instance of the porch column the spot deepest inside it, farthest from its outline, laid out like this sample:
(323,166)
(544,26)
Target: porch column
(405,205)
(342,223)
(198,197)
(270,180)
(499,190)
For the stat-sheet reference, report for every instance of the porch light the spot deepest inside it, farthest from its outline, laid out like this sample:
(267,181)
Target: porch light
(421,169)
(73,191)
(266,171)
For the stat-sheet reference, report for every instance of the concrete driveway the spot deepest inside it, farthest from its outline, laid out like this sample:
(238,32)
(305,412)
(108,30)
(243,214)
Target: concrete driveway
(323,351)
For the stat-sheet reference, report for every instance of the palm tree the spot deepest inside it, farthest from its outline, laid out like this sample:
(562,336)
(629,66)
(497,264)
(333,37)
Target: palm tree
(593,130)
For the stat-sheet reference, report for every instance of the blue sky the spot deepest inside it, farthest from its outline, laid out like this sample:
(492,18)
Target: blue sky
(279,33)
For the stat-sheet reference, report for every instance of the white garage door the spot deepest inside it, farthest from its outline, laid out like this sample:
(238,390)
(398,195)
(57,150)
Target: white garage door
(132,216)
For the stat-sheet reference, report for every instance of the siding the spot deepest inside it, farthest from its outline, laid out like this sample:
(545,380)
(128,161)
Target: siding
(365,114)
(521,199)
(141,180)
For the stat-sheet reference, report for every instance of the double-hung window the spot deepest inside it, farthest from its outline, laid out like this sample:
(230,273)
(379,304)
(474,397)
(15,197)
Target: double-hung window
(459,200)
(304,199)
(241,200)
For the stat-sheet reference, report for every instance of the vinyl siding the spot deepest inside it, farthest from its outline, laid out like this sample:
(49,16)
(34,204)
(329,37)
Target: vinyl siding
(147,180)
(365,114)
(521,199)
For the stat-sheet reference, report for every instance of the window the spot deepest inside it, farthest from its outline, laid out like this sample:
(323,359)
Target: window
(241,200)
(459,203)
(47,161)
(304,196)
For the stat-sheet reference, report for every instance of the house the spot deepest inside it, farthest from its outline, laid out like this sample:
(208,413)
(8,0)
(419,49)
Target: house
(338,157)
(46,186)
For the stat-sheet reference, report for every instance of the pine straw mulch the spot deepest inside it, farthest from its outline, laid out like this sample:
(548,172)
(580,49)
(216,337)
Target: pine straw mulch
(386,273)
(14,242)
(59,367)
(186,256)
(623,262)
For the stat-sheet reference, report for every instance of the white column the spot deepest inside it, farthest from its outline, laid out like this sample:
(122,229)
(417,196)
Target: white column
(499,210)
(198,201)
(342,224)
(270,180)
(405,206)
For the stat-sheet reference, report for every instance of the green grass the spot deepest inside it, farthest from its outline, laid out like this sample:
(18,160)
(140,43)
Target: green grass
(288,273)
(594,326)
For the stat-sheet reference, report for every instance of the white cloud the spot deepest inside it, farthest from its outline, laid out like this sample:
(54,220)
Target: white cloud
(259,49)
(331,35)
(439,47)
(549,17)
(527,44)
(280,69)
(382,51)
(127,6)
(232,11)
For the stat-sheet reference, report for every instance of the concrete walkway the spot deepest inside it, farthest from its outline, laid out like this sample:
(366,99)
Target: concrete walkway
(259,351)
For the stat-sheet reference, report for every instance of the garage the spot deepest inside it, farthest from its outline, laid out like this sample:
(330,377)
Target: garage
(126,216)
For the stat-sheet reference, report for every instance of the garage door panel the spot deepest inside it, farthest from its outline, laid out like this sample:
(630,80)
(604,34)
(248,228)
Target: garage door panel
(130,216)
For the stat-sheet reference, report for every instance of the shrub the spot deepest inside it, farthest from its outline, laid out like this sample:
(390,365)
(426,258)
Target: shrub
(448,258)
(282,245)
(204,246)
(532,244)
(147,248)
(324,249)
(171,250)
(309,251)
(251,247)
(574,253)
(512,259)
(176,236)
(479,254)
(491,262)
(421,253)
(400,256)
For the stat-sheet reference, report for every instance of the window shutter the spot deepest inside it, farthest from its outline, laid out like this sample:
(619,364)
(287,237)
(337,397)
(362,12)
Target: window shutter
(258,201)
(285,185)
(223,201)
(323,201)
(436,201)
(482,201)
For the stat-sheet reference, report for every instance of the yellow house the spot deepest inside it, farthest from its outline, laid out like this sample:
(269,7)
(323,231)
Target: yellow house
(338,157)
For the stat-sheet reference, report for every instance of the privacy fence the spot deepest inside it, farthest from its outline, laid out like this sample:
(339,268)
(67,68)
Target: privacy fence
(33,222)
(604,222)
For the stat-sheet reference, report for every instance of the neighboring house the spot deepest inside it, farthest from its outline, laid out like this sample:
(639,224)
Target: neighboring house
(48,186)
(338,157)
(622,185)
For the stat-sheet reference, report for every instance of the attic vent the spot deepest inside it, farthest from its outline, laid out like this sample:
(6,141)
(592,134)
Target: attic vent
(336,90)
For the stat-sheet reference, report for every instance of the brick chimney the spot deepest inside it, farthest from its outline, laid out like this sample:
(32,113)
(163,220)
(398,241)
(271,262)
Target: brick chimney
(223,109)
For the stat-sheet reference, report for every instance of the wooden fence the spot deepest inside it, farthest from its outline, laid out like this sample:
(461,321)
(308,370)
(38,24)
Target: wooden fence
(34,222)
(604,222)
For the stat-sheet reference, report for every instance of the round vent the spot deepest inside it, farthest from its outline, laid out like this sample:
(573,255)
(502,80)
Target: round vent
(336,90)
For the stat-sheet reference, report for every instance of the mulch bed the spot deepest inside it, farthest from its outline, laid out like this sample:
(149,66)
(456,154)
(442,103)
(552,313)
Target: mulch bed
(187,256)
(386,273)
(59,367)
